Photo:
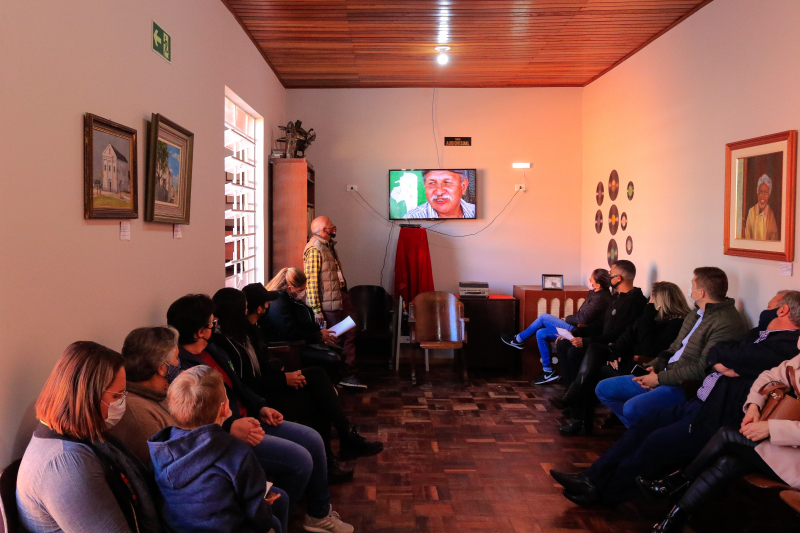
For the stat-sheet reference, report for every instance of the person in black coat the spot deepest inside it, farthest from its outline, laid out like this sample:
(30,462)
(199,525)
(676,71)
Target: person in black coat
(305,396)
(627,305)
(677,434)
(652,332)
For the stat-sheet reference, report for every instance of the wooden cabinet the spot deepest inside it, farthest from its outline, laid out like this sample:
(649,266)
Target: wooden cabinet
(291,200)
(488,319)
(533,301)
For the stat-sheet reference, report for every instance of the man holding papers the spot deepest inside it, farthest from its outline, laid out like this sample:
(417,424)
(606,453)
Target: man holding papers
(326,290)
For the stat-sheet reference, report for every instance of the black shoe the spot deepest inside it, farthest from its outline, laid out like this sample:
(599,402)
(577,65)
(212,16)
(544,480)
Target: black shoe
(576,484)
(352,446)
(663,488)
(567,400)
(584,500)
(545,377)
(567,413)
(352,382)
(575,426)
(337,473)
(673,523)
(511,340)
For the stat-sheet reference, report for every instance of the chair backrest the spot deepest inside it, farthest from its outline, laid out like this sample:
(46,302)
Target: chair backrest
(437,316)
(8,497)
(371,305)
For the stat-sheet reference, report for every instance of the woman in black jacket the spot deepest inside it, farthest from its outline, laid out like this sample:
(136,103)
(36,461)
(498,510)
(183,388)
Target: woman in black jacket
(652,333)
(306,396)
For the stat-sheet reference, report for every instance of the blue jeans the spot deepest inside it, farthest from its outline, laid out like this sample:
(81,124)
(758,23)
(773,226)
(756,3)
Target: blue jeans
(280,511)
(630,401)
(295,455)
(545,329)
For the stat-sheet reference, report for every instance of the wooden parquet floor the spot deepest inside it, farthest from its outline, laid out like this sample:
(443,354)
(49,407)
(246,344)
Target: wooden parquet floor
(476,458)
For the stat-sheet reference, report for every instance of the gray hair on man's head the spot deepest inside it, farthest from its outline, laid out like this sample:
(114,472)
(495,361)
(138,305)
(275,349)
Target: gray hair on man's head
(792,299)
(765,179)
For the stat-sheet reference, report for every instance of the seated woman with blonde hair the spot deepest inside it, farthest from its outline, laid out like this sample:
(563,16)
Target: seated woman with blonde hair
(74,477)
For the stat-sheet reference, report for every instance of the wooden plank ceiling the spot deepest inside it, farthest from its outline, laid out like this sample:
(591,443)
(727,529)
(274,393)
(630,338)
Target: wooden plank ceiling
(494,43)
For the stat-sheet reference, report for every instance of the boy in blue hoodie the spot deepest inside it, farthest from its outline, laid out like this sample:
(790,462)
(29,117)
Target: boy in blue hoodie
(210,480)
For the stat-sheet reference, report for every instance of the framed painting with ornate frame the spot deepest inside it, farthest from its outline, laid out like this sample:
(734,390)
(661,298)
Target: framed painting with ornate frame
(110,178)
(760,176)
(168,191)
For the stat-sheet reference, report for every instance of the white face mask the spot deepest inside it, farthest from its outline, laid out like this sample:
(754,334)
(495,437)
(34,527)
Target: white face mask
(692,291)
(591,286)
(300,295)
(115,411)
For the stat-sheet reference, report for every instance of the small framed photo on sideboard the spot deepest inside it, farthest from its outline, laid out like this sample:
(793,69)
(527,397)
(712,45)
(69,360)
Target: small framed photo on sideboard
(552,282)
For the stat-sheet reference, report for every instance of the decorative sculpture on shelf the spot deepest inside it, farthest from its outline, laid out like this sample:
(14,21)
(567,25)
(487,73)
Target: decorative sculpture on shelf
(296,139)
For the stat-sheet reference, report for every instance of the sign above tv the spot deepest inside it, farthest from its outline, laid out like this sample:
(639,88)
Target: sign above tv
(458,141)
(429,194)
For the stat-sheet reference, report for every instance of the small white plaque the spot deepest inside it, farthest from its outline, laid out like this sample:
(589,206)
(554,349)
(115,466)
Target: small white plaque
(125,230)
(785,269)
(176,231)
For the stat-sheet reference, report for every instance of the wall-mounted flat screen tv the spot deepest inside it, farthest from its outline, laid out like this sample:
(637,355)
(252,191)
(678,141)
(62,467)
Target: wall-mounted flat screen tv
(429,194)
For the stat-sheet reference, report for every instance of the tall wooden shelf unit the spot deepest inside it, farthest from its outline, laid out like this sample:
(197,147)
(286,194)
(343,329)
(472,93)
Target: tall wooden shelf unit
(291,211)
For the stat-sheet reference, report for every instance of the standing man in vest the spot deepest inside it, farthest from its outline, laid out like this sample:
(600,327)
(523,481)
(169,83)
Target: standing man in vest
(326,291)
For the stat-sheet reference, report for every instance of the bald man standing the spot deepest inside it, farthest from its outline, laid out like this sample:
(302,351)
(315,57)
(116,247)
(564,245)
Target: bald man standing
(326,290)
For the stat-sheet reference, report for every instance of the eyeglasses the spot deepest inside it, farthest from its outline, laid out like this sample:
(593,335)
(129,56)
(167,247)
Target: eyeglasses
(213,324)
(123,393)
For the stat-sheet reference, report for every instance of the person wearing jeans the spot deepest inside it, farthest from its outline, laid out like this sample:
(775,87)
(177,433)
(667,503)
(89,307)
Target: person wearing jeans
(716,319)
(544,327)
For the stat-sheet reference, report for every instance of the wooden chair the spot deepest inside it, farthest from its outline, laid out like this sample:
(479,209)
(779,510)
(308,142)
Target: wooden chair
(288,352)
(437,322)
(792,499)
(8,497)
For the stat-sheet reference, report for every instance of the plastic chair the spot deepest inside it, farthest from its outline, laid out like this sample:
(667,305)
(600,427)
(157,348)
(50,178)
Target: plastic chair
(437,322)
(8,497)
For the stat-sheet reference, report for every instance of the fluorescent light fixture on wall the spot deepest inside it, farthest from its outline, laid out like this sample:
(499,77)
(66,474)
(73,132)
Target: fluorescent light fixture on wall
(521,165)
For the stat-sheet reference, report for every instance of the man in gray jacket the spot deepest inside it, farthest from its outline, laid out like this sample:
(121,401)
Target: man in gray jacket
(716,320)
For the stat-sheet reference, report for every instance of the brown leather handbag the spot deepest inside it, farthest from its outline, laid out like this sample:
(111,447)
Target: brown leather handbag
(782,400)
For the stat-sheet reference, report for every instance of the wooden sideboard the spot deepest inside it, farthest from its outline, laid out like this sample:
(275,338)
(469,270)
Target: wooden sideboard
(533,301)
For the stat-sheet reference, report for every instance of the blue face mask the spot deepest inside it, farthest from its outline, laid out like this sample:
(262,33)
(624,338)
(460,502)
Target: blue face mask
(766,317)
(172,372)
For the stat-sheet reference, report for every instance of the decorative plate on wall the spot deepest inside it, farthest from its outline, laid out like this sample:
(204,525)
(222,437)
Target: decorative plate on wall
(613,220)
(613,185)
(613,252)
(598,221)
(623,221)
(629,245)
(630,190)
(600,193)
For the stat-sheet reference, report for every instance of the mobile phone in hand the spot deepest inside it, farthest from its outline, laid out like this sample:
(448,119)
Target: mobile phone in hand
(638,371)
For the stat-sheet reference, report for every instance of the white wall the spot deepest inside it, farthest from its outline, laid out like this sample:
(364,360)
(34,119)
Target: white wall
(662,119)
(362,133)
(65,278)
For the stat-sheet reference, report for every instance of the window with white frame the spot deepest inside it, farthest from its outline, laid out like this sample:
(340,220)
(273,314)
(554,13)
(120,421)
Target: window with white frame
(242,198)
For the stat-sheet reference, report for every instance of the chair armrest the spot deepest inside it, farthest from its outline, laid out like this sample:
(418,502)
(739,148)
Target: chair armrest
(278,344)
(642,359)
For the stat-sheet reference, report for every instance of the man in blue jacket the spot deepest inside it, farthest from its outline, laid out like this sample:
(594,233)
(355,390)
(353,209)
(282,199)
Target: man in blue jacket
(209,479)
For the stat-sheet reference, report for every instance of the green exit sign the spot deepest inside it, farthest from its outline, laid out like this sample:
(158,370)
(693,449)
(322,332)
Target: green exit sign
(162,44)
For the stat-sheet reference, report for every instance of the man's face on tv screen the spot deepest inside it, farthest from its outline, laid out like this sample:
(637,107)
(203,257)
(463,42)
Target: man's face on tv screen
(444,190)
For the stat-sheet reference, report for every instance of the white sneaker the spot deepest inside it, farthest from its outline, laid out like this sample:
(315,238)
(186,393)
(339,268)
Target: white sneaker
(331,523)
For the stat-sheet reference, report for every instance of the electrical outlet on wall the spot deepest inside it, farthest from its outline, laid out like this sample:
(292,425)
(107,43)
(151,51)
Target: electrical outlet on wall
(519,187)
(351,188)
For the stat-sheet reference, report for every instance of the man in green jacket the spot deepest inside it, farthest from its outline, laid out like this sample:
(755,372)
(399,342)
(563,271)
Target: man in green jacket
(716,320)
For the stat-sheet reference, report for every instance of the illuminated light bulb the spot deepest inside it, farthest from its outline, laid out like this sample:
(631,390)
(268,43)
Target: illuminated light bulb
(442,59)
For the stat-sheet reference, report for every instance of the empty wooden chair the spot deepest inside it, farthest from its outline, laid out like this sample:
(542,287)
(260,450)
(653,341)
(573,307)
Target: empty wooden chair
(8,497)
(437,322)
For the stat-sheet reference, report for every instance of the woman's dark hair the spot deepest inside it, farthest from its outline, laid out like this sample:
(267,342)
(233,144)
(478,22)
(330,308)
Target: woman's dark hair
(145,349)
(602,278)
(188,314)
(230,308)
(70,399)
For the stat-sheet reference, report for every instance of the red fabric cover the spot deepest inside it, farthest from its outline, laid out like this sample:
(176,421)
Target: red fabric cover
(412,268)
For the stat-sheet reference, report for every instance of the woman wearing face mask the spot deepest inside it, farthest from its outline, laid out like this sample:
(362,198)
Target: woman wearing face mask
(290,319)
(74,476)
(306,396)
(544,327)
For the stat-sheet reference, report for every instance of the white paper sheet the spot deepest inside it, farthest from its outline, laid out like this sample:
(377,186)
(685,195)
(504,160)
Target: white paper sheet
(564,333)
(345,325)
(125,230)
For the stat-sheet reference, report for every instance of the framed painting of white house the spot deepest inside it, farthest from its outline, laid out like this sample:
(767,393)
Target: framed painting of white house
(760,197)
(168,189)
(109,169)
